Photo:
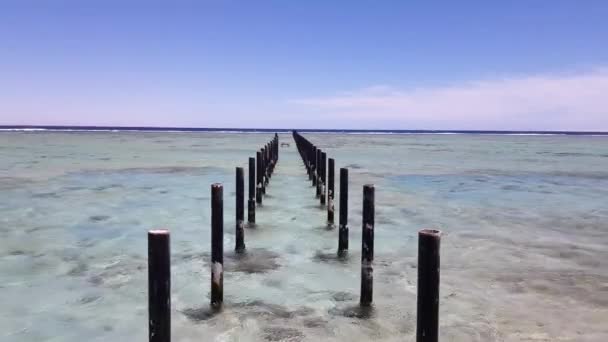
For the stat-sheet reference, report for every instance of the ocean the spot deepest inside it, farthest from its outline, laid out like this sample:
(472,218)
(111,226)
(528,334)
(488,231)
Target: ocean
(524,248)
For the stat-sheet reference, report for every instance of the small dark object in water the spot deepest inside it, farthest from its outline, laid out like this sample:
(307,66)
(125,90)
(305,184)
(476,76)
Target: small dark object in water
(98,218)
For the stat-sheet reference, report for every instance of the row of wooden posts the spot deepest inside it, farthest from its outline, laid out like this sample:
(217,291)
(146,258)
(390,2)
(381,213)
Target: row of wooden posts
(320,173)
(261,169)
(315,161)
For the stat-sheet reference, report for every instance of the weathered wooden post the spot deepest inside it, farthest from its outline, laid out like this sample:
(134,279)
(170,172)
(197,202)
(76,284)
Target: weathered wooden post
(264,175)
(318,167)
(159,286)
(251,201)
(217,245)
(240,211)
(427,328)
(343,224)
(323,177)
(367,246)
(330,193)
(268,163)
(313,171)
(258,184)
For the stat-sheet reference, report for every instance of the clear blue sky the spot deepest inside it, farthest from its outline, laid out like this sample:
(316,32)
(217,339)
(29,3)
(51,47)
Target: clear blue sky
(312,64)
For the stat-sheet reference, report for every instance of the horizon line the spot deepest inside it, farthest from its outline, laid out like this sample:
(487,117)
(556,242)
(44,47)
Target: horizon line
(311,130)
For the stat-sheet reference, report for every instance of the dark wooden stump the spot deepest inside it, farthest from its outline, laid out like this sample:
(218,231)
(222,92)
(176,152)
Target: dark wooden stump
(427,328)
(217,245)
(159,286)
(240,211)
(343,223)
(367,246)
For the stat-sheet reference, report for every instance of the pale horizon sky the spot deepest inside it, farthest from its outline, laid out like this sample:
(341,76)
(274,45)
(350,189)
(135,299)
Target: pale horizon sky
(469,65)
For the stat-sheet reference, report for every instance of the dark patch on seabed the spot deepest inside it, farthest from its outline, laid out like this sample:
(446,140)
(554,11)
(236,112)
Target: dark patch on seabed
(329,257)
(46,195)
(199,314)
(353,311)
(343,296)
(252,261)
(98,218)
(256,309)
(106,187)
(257,260)
(276,333)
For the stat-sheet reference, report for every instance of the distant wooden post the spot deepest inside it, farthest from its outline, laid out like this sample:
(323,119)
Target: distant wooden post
(159,286)
(258,191)
(367,246)
(314,166)
(240,211)
(323,177)
(217,245)
(251,201)
(427,328)
(330,193)
(318,172)
(343,224)
(264,175)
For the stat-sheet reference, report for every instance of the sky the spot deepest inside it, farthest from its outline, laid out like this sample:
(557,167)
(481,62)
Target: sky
(508,65)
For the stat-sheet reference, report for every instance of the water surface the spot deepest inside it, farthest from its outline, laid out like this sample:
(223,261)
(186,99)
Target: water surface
(524,251)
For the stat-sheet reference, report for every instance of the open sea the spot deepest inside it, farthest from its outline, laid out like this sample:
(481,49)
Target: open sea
(524,249)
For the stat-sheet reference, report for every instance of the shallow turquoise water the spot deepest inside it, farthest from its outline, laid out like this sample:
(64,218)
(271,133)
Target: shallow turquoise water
(524,252)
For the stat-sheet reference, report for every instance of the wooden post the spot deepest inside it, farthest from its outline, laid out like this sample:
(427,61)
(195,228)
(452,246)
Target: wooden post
(314,166)
(268,163)
(258,185)
(240,211)
(343,224)
(251,201)
(367,246)
(318,172)
(264,175)
(323,177)
(217,245)
(330,193)
(159,286)
(427,328)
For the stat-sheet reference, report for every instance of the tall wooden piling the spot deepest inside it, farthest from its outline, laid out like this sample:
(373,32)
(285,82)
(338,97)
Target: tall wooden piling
(251,201)
(264,174)
(322,191)
(318,172)
(258,183)
(367,246)
(217,245)
(427,328)
(330,193)
(343,223)
(313,171)
(159,286)
(240,211)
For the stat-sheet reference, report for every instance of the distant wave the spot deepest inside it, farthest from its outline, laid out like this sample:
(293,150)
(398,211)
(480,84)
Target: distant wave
(282,130)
